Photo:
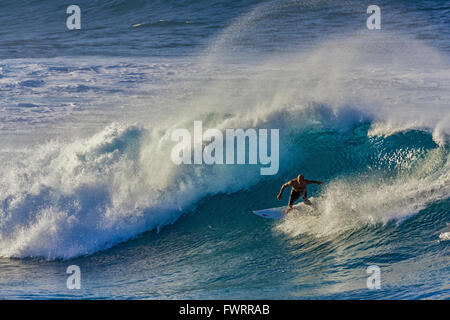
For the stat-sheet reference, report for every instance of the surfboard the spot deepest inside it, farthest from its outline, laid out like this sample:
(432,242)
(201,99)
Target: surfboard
(279,213)
(272,213)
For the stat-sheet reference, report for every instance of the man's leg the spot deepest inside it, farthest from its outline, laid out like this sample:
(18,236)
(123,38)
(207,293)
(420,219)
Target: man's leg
(305,198)
(294,197)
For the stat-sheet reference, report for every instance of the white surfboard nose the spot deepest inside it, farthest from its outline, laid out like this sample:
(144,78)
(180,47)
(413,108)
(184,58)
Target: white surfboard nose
(273,213)
(280,212)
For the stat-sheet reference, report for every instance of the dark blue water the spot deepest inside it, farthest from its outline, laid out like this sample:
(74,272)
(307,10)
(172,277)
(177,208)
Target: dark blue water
(179,28)
(86,177)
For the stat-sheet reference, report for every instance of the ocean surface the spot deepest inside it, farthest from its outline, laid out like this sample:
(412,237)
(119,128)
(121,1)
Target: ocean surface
(86,118)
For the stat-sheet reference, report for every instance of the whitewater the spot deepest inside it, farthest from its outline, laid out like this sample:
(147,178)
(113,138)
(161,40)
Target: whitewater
(86,176)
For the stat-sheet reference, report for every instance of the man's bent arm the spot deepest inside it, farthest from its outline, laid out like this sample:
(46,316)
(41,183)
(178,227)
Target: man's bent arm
(282,189)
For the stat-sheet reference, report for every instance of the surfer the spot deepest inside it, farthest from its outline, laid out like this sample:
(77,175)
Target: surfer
(298,190)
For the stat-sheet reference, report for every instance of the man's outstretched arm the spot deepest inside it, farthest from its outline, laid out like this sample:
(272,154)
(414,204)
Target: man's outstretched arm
(287,184)
(313,181)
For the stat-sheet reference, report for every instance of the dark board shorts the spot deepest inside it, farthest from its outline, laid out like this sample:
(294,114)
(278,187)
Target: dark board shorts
(295,195)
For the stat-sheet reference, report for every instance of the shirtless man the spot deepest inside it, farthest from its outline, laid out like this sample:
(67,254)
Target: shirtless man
(298,190)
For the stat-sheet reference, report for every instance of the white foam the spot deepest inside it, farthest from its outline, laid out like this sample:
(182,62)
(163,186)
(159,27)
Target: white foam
(444,236)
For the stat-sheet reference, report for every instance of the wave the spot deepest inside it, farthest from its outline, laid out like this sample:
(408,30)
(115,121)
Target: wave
(63,201)
(369,115)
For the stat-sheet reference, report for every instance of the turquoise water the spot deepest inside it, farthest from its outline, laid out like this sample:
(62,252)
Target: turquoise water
(86,177)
